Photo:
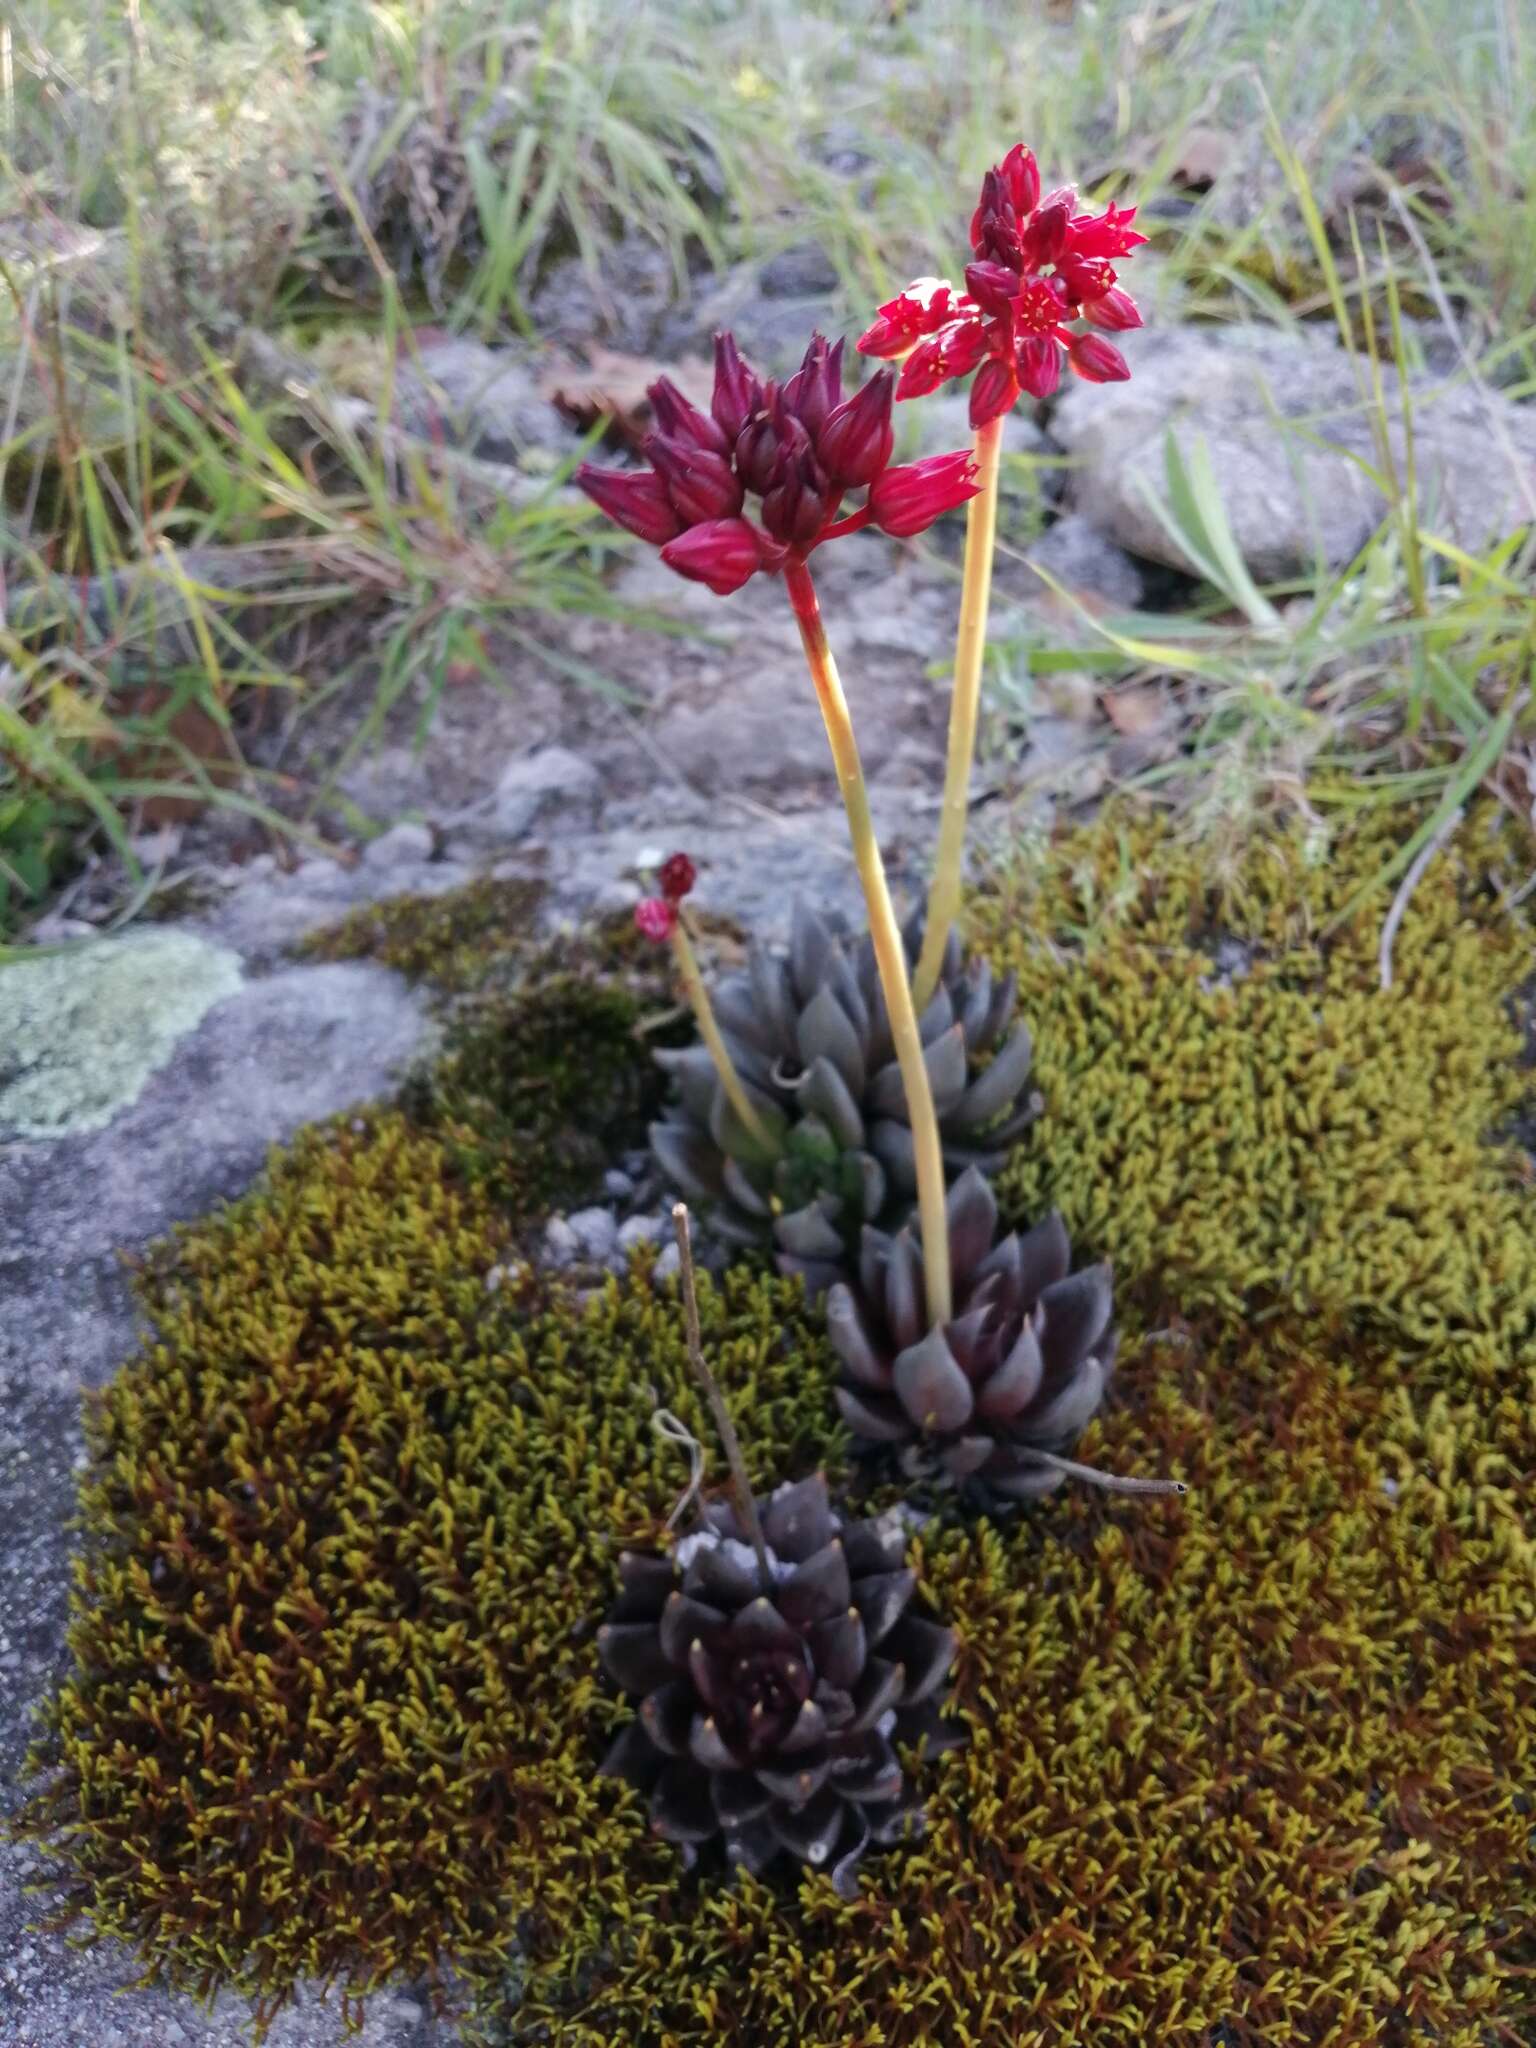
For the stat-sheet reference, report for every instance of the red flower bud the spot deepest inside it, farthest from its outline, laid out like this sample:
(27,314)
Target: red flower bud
(908,499)
(795,506)
(677,876)
(723,553)
(816,388)
(923,308)
(1096,360)
(991,285)
(757,445)
(1105,234)
(636,499)
(655,918)
(856,442)
(701,484)
(680,419)
(1114,310)
(738,389)
(1038,362)
(1045,237)
(994,391)
(924,369)
(1021,178)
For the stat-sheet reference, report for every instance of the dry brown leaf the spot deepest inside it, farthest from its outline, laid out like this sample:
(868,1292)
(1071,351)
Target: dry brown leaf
(1134,711)
(612,386)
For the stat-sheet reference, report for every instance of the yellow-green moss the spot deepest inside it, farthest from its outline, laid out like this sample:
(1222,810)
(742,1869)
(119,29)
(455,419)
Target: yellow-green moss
(1296,1136)
(454,940)
(1254,1767)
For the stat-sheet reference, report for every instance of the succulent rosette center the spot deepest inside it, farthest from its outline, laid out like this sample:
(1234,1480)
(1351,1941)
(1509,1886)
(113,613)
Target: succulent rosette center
(770,1709)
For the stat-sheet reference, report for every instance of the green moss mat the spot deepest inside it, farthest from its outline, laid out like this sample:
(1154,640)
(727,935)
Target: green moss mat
(1253,1767)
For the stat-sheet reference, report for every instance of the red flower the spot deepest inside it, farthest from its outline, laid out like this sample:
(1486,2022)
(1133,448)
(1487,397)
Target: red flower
(908,499)
(1040,265)
(799,447)
(923,308)
(656,918)
(677,876)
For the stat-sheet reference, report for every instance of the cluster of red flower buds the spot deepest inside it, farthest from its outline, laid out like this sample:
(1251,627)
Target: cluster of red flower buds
(656,916)
(799,447)
(1039,264)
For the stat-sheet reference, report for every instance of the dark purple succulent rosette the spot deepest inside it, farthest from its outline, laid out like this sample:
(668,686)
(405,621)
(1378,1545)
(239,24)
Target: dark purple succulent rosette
(1019,1369)
(770,1714)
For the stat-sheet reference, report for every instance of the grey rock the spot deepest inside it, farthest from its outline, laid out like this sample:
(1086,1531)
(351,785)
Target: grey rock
(638,1230)
(804,271)
(1075,552)
(486,399)
(277,1054)
(748,740)
(562,1247)
(402,846)
(625,303)
(274,1054)
(617,1185)
(669,1263)
(550,783)
(1263,400)
(771,327)
(82,1030)
(596,1232)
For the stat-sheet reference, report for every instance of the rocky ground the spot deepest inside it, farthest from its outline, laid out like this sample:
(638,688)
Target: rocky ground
(147,1087)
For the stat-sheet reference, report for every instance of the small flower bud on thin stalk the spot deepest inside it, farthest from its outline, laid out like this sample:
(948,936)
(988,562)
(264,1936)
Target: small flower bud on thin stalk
(746,1505)
(709,1030)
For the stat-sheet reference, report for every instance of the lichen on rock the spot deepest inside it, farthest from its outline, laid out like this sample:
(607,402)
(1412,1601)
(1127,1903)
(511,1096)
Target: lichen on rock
(82,1030)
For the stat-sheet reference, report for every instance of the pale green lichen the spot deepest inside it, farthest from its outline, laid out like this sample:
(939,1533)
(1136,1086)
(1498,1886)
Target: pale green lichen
(82,1030)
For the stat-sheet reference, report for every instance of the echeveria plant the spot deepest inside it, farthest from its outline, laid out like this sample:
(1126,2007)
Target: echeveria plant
(1039,292)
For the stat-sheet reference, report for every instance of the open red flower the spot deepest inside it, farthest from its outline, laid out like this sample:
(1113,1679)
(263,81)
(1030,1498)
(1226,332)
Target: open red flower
(1040,265)
(799,448)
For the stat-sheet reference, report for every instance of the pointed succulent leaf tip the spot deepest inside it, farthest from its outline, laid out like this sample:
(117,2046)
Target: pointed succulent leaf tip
(1096,360)
(738,392)
(932,1387)
(722,553)
(856,440)
(656,918)
(637,500)
(907,500)
(971,1212)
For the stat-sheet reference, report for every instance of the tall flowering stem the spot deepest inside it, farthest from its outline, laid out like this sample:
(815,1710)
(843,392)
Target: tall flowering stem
(885,934)
(964,708)
(1040,293)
